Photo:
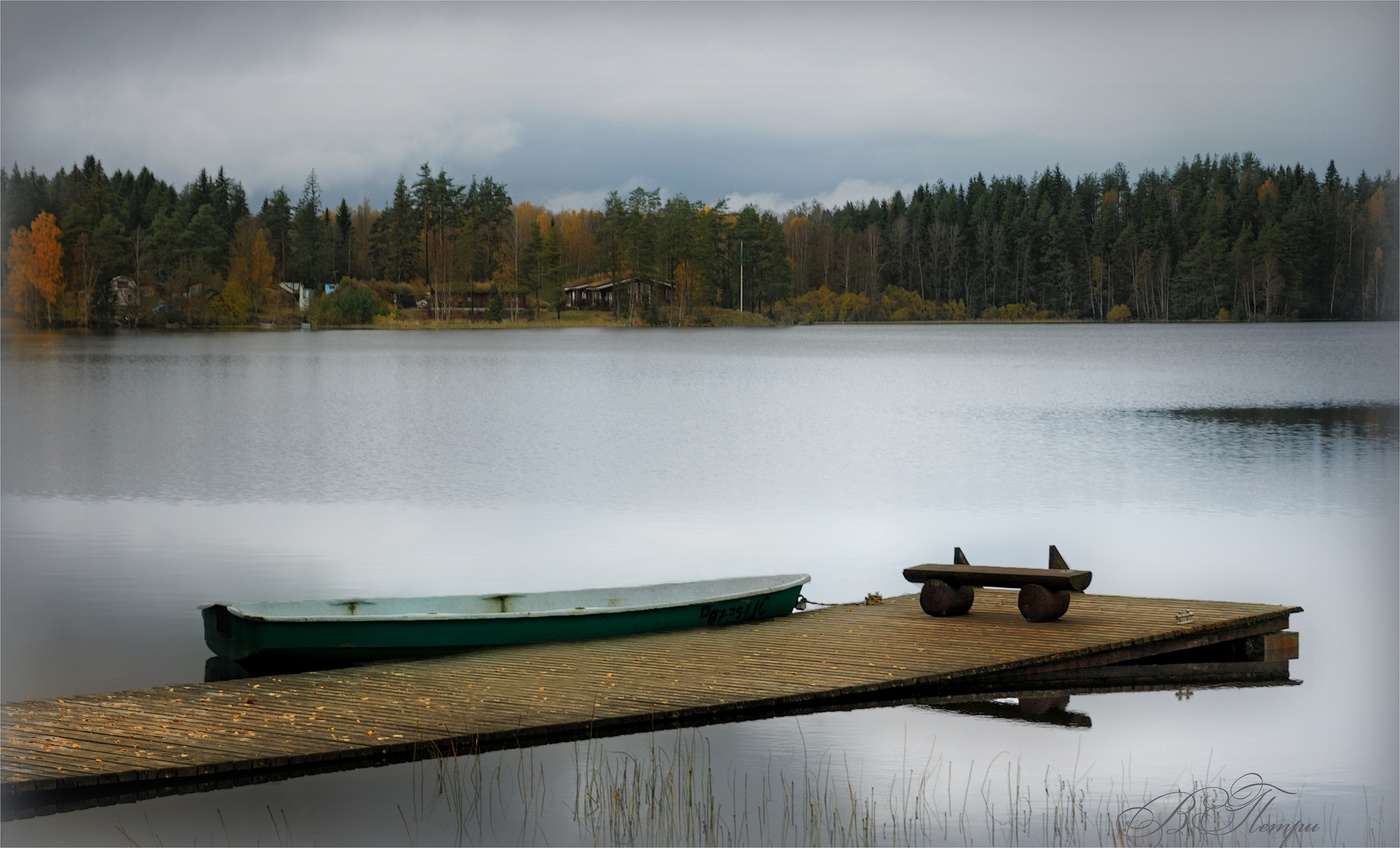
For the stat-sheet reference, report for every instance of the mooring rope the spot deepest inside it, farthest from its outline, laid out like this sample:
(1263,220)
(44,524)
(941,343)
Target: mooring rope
(871,599)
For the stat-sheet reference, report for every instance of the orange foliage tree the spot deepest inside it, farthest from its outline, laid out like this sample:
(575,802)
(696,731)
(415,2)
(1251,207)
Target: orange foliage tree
(35,257)
(579,248)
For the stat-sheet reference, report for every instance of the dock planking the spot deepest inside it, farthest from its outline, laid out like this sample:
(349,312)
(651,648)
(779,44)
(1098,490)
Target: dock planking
(209,734)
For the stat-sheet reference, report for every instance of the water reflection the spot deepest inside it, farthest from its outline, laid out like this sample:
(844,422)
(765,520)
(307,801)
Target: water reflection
(1052,709)
(1369,422)
(145,473)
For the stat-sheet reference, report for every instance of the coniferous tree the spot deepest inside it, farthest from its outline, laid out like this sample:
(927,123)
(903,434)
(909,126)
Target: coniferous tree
(313,250)
(276,216)
(344,229)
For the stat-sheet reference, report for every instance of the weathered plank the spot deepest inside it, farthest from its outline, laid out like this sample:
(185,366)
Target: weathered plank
(206,734)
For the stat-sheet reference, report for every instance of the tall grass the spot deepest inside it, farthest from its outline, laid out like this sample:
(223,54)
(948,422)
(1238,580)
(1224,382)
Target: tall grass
(667,790)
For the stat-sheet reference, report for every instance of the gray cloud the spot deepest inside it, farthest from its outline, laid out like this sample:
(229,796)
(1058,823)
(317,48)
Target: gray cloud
(784,101)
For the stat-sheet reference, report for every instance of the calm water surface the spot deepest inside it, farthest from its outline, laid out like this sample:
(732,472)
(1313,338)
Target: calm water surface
(144,474)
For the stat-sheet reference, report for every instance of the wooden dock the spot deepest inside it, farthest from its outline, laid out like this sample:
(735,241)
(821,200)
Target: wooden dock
(63,753)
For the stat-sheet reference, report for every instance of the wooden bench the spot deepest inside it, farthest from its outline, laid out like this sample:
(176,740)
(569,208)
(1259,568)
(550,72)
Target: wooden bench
(1045,592)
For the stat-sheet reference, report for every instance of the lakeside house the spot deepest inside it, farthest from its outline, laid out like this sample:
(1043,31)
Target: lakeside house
(303,292)
(603,293)
(126,292)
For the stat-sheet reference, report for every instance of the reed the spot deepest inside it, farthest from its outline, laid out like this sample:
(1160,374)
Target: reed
(667,790)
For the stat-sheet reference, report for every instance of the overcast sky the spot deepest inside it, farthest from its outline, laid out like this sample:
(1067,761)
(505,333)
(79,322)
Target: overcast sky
(772,104)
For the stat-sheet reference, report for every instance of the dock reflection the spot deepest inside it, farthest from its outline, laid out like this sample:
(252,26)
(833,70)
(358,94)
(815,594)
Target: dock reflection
(1052,709)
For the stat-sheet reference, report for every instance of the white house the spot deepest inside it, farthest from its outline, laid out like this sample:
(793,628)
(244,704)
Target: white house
(303,292)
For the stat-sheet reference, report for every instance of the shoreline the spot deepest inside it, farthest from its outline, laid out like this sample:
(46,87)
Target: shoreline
(11,324)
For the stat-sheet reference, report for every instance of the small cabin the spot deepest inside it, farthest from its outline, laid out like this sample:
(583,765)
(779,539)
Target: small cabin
(125,292)
(603,293)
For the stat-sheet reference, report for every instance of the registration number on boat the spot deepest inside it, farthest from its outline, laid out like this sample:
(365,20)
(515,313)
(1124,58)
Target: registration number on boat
(736,611)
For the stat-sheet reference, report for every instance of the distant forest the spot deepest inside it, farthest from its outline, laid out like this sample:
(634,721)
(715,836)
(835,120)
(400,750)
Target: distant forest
(1216,238)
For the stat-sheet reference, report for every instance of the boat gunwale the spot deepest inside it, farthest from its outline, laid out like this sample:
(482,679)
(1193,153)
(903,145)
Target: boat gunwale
(790,581)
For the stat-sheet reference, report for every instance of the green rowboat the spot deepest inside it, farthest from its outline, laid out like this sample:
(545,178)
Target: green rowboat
(358,629)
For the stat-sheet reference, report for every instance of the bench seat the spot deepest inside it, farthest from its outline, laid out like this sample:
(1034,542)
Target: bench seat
(1045,592)
(1060,579)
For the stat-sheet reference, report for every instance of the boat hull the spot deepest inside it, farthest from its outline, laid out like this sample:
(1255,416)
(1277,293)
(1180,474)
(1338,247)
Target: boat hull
(258,633)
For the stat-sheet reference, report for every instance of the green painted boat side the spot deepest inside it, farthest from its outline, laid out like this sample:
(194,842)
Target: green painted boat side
(257,632)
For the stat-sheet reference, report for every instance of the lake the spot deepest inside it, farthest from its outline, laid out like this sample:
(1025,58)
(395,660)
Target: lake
(146,473)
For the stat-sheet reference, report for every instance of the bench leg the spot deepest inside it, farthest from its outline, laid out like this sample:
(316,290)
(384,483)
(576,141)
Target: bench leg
(1039,604)
(939,598)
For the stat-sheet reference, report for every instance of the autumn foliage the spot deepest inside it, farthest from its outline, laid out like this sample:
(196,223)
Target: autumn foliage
(1213,236)
(35,259)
